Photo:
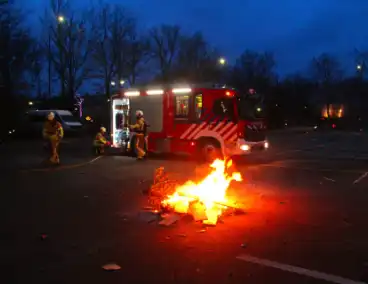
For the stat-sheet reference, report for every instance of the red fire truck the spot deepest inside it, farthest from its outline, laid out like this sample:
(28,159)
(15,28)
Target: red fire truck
(198,120)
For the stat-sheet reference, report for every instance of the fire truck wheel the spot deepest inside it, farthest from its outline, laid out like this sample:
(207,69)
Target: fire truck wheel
(210,150)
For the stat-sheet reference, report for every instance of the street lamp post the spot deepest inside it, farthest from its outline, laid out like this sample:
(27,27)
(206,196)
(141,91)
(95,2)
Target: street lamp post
(49,58)
(360,68)
(222,63)
(60,20)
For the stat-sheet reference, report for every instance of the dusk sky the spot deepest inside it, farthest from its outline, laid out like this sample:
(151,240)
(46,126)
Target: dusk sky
(294,30)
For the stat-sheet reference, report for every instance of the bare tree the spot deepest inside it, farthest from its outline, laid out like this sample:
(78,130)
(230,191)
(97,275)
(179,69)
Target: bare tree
(254,69)
(326,69)
(165,43)
(114,25)
(15,44)
(71,45)
(36,56)
(196,59)
(361,62)
(137,56)
(297,89)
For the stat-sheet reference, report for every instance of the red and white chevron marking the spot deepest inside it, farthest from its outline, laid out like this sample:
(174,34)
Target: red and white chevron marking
(228,131)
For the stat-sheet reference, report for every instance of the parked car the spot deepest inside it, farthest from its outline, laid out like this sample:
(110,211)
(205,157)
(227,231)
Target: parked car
(33,121)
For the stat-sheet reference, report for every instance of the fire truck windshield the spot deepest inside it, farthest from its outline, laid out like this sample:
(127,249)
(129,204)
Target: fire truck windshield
(250,108)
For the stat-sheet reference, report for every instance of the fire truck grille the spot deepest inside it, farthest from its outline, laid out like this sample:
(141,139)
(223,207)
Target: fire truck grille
(254,135)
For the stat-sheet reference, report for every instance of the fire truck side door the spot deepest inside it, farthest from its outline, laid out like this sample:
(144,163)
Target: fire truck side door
(197,103)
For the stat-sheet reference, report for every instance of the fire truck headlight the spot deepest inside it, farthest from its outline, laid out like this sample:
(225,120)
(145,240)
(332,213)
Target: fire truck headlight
(244,147)
(266,145)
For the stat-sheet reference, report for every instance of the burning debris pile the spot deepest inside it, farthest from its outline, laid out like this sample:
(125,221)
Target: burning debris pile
(205,200)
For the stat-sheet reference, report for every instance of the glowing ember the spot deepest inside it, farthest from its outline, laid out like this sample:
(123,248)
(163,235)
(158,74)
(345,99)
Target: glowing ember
(206,199)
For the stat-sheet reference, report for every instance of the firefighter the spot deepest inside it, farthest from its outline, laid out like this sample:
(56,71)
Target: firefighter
(100,141)
(139,129)
(53,133)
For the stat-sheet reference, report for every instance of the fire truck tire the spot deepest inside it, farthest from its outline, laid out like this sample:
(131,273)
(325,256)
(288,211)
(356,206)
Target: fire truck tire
(209,149)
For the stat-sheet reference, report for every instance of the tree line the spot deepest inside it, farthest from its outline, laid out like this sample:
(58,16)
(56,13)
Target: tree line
(104,42)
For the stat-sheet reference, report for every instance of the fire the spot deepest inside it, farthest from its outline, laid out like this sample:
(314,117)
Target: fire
(207,199)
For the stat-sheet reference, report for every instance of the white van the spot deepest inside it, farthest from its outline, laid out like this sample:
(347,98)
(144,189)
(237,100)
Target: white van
(35,119)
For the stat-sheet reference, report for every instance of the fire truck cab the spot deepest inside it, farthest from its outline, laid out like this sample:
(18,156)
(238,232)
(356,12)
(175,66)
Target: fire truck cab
(199,120)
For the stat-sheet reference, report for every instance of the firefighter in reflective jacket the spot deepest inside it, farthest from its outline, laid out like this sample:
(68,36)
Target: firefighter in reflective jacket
(139,129)
(53,132)
(100,141)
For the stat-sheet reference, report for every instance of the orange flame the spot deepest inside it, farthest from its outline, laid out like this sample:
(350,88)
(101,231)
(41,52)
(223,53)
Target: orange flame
(207,197)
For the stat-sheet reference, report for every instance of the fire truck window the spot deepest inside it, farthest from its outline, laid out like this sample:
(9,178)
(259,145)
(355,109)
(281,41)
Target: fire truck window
(198,106)
(181,106)
(224,108)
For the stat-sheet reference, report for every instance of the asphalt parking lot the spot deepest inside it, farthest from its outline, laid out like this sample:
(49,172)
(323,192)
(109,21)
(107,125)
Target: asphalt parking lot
(306,221)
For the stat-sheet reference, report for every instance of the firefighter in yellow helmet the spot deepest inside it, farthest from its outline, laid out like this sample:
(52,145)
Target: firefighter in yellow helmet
(100,141)
(53,133)
(139,129)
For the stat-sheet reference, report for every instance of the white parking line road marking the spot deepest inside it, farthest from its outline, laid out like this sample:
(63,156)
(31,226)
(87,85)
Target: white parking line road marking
(298,270)
(360,178)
